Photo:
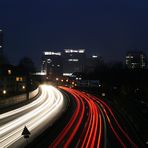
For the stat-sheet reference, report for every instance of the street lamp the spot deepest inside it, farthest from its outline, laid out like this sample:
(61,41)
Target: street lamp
(4,92)
(23,87)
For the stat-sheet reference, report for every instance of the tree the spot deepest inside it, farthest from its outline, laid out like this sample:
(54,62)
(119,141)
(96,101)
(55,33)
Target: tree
(28,67)
(27,64)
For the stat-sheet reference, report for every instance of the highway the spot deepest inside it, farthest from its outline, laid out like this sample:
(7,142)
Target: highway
(36,116)
(92,124)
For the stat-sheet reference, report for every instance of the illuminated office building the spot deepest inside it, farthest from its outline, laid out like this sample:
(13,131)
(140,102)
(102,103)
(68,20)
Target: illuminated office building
(136,60)
(52,63)
(67,62)
(73,61)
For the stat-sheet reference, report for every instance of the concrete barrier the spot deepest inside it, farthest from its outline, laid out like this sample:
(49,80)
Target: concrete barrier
(17,99)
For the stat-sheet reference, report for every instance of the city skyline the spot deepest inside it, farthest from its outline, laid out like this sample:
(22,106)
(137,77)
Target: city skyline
(74,73)
(109,29)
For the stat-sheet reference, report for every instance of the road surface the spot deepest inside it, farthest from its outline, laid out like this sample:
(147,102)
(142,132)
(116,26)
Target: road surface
(93,124)
(36,116)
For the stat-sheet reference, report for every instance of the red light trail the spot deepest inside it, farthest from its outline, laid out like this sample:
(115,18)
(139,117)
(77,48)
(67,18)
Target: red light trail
(100,122)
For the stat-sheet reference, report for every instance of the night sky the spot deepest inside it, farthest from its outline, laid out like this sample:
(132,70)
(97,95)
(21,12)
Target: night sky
(107,27)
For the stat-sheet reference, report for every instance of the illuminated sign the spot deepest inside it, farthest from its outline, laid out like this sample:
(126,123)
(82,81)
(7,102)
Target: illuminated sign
(74,51)
(67,74)
(52,53)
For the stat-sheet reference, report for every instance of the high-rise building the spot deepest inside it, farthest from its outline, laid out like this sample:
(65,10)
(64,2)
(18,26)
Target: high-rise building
(135,60)
(68,62)
(52,63)
(73,61)
(1,42)
(92,62)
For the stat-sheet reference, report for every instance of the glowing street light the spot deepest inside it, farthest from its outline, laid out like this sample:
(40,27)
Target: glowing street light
(4,91)
(23,87)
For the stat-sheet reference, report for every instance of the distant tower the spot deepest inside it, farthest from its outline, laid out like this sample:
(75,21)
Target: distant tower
(1,42)
(74,61)
(52,63)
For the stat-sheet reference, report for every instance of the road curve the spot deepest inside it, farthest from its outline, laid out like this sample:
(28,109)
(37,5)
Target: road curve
(100,128)
(37,116)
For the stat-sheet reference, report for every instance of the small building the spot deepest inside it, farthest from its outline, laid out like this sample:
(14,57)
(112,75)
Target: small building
(12,80)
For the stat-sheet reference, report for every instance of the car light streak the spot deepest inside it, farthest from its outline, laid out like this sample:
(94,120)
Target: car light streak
(36,120)
(98,115)
(104,105)
(59,139)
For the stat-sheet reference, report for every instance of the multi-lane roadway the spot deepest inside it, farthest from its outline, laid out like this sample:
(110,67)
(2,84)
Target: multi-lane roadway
(93,124)
(36,116)
(88,122)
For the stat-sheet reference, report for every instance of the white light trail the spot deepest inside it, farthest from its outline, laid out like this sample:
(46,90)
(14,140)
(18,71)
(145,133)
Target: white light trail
(37,120)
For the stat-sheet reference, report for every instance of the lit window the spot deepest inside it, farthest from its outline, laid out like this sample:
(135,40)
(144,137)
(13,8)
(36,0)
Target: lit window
(81,50)
(21,79)
(94,56)
(73,60)
(17,79)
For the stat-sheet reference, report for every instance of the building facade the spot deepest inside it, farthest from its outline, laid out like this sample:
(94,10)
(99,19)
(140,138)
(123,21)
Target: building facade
(136,60)
(52,63)
(12,80)
(73,61)
(68,62)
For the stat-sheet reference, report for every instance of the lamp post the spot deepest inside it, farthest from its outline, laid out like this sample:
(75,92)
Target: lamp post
(4,92)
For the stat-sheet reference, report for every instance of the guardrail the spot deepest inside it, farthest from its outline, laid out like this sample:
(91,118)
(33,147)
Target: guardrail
(17,99)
